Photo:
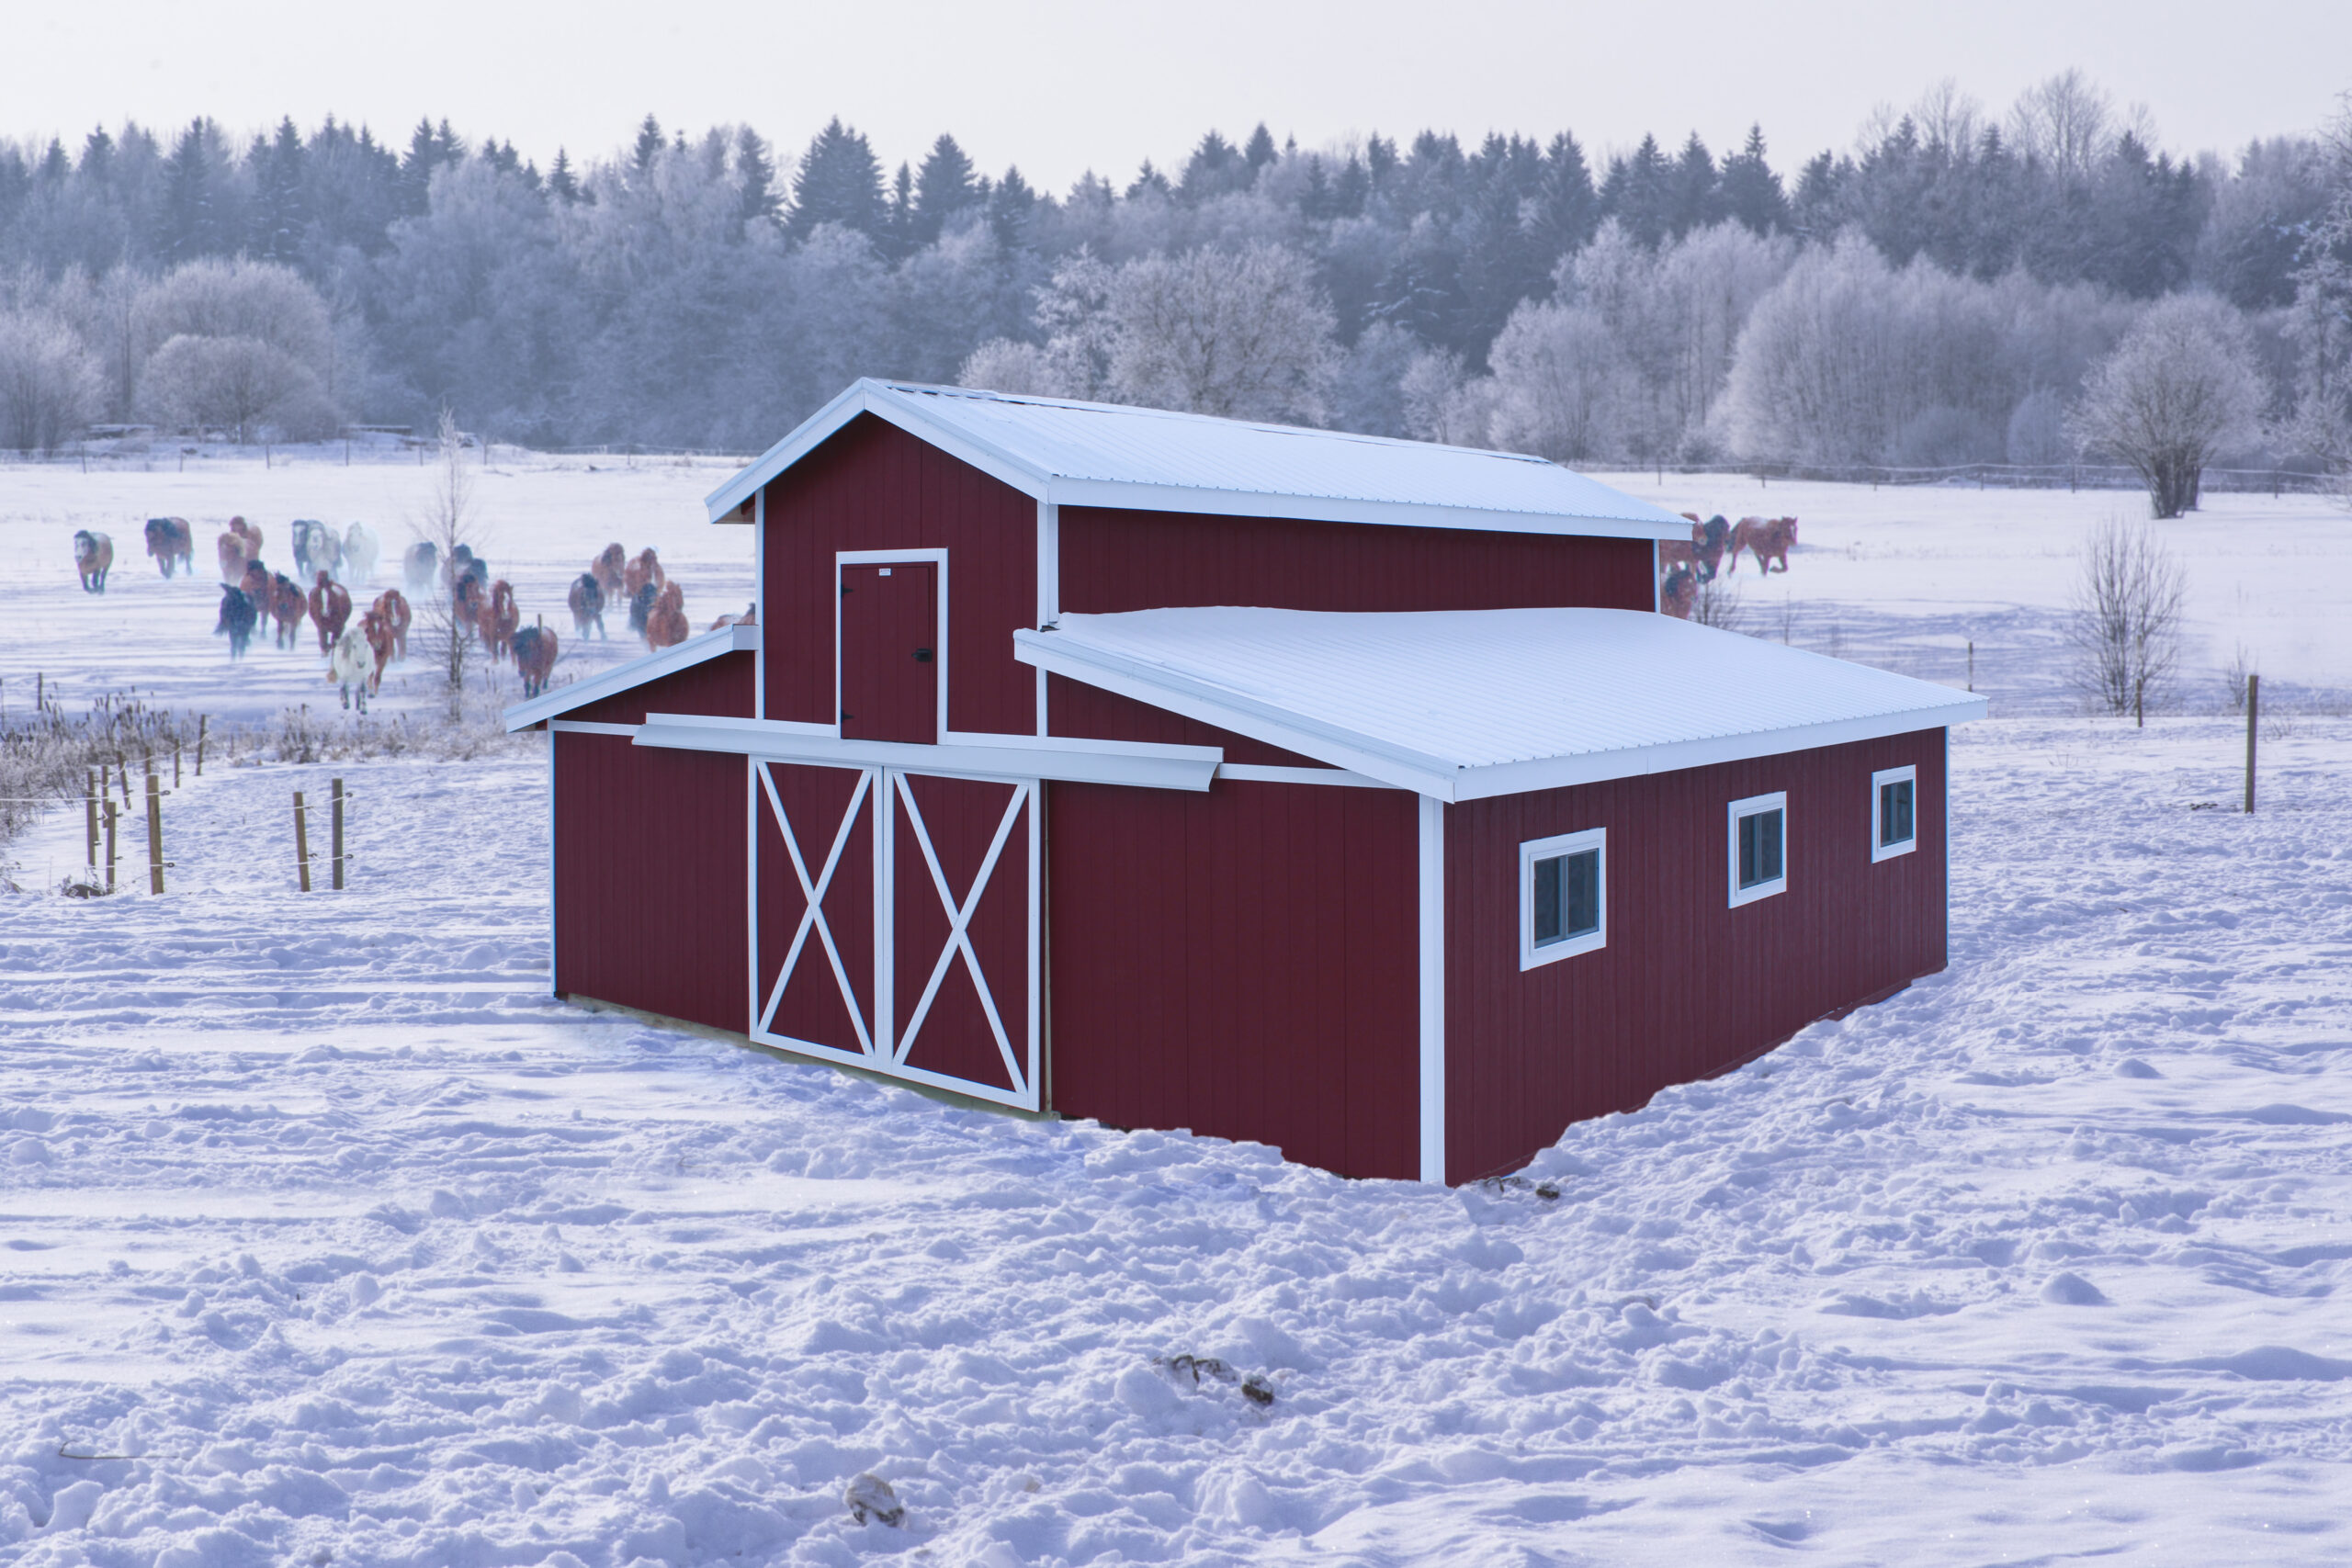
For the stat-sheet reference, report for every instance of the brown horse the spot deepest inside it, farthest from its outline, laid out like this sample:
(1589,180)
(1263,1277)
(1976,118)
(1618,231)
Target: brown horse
(499,617)
(534,651)
(329,610)
(666,624)
(382,641)
(254,580)
(610,568)
(172,543)
(1767,538)
(286,607)
(391,609)
(645,568)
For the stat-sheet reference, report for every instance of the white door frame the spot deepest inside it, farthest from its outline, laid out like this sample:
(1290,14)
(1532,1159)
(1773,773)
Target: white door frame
(937,558)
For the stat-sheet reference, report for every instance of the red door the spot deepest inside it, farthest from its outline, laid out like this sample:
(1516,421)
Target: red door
(889,672)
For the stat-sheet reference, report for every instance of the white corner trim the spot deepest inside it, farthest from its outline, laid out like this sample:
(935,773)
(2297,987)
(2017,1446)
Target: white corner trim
(1265,772)
(1592,839)
(731,638)
(1432,989)
(1008,757)
(1879,849)
(1753,806)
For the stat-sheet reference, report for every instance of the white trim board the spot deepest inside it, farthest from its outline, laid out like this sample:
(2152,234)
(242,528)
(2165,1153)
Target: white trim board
(1425,773)
(1879,849)
(698,650)
(1756,805)
(1265,772)
(1014,757)
(1431,989)
(591,726)
(906,405)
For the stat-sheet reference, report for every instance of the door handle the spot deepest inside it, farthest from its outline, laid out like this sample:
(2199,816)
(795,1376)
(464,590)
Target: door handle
(923,656)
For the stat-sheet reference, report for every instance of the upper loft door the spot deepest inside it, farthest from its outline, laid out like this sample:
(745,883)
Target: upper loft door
(890,653)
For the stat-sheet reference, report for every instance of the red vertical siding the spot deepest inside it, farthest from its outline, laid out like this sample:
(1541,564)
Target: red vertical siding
(872,487)
(1076,710)
(1687,985)
(721,685)
(1241,963)
(650,878)
(1114,560)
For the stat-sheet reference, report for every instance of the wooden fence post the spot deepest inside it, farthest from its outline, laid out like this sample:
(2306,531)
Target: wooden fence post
(2253,714)
(201,720)
(176,764)
(90,803)
(1971,664)
(110,844)
(154,834)
(338,835)
(301,843)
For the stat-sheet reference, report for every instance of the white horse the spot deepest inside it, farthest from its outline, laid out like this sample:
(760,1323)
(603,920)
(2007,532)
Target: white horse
(349,663)
(359,552)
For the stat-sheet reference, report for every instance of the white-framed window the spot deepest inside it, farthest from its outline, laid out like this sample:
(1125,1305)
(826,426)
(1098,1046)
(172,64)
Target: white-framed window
(1563,896)
(1895,812)
(1759,847)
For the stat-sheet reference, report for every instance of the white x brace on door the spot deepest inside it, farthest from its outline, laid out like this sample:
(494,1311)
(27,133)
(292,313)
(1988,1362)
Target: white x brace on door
(895,924)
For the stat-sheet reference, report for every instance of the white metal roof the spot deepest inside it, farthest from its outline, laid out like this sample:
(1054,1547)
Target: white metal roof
(1150,459)
(1465,704)
(732,638)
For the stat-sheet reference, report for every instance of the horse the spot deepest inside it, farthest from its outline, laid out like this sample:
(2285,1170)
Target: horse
(421,565)
(610,568)
(349,663)
(534,649)
(92,559)
(1672,554)
(749,617)
(286,607)
(468,597)
(461,560)
(393,610)
(171,542)
(1708,541)
(640,605)
(499,619)
(255,585)
(231,548)
(645,568)
(1767,538)
(1682,586)
(666,624)
(587,604)
(383,642)
(250,533)
(305,533)
(359,552)
(330,609)
(236,623)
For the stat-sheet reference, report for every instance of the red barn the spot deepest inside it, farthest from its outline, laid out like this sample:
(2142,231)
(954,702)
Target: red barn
(1342,793)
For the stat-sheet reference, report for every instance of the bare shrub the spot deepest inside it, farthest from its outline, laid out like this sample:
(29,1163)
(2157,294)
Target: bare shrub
(2128,608)
(444,523)
(2234,676)
(1718,604)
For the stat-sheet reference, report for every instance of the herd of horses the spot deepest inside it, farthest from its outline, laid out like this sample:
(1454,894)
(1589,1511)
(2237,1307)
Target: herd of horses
(1714,549)
(483,610)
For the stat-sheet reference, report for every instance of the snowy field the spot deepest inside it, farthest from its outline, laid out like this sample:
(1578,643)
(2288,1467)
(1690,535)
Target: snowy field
(326,1237)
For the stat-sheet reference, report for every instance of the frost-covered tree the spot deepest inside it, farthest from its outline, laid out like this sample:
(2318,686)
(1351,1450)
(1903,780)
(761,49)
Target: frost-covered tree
(50,387)
(2179,388)
(838,182)
(1556,377)
(1241,335)
(236,384)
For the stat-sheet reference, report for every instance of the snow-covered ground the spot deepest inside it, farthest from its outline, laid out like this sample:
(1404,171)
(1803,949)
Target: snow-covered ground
(326,1237)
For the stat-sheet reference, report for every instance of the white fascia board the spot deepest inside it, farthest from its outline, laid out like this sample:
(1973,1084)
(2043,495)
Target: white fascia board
(879,399)
(1121,495)
(685,655)
(1419,773)
(1436,776)
(992,756)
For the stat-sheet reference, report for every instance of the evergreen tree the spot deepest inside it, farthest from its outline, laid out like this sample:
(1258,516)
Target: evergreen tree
(1148,179)
(1751,191)
(1351,190)
(1214,168)
(1314,197)
(648,148)
(1814,209)
(1379,160)
(944,187)
(1011,206)
(1696,202)
(562,182)
(97,166)
(755,169)
(428,149)
(190,216)
(1566,209)
(1639,193)
(54,167)
(1258,151)
(839,181)
(279,220)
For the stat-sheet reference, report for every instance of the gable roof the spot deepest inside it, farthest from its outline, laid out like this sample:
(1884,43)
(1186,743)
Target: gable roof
(1465,704)
(1077,454)
(647,666)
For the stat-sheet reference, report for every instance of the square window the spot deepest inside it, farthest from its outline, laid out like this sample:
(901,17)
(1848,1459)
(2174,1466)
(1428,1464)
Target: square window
(1760,849)
(1563,896)
(1894,823)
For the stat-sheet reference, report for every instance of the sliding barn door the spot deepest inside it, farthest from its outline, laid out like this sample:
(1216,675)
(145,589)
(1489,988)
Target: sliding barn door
(898,925)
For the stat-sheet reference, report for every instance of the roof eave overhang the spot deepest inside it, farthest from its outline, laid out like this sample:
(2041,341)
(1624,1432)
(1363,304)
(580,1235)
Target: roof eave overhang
(709,645)
(1442,779)
(1140,764)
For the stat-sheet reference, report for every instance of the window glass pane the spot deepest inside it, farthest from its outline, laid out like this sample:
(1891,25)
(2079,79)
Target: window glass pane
(1767,833)
(1584,893)
(1748,874)
(1899,827)
(1547,902)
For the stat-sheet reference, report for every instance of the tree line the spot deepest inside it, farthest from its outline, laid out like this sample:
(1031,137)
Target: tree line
(1938,294)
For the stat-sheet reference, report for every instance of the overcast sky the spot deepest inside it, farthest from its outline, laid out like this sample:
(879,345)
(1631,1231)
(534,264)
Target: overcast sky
(1059,86)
